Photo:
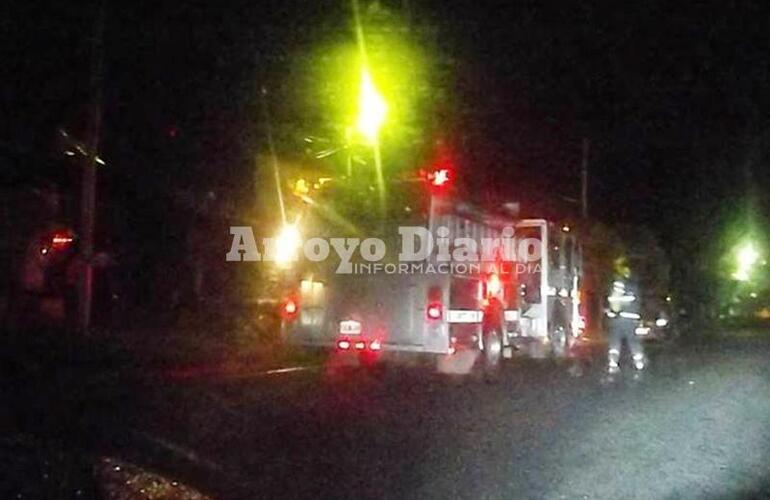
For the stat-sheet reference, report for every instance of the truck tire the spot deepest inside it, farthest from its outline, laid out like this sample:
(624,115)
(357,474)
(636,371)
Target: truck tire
(492,354)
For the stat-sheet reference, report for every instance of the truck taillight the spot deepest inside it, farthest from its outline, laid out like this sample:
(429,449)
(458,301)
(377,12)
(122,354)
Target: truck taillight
(493,285)
(343,345)
(59,241)
(289,309)
(360,345)
(62,240)
(375,345)
(434,310)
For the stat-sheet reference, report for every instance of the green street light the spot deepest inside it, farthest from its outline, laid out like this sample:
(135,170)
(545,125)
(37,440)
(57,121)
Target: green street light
(372,109)
(747,256)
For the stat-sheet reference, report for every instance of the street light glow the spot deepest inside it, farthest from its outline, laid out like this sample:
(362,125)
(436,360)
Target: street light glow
(372,109)
(746,258)
(286,244)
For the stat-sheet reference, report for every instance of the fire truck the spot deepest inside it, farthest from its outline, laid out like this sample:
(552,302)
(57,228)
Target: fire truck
(495,307)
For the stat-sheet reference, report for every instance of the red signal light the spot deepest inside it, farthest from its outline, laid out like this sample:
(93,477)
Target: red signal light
(434,310)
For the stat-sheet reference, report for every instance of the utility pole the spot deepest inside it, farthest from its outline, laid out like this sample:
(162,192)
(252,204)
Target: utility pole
(88,177)
(584,179)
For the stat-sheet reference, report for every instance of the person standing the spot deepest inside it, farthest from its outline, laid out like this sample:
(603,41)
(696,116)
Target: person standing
(623,315)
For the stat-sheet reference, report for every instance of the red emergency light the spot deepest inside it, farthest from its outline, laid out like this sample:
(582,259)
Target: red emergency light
(434,310)
(493,285)
(440,173)
(440,178)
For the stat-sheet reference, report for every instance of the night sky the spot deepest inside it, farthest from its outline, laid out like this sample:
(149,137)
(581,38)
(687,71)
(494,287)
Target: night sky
(674,100)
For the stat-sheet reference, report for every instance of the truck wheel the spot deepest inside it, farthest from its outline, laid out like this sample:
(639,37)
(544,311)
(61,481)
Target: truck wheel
(492,354)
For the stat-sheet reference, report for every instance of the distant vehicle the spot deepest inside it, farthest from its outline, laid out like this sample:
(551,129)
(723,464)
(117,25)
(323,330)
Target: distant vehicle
(493,309)
(655,327)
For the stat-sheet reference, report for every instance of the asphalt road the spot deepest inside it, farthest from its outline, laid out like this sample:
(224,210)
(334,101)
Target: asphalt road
(697,425)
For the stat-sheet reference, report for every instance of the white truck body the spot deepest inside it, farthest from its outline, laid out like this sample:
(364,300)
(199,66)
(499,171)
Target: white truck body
(437,313)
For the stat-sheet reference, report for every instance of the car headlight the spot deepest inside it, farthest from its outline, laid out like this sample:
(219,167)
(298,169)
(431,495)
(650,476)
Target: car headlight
(642,330)
(661,322)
